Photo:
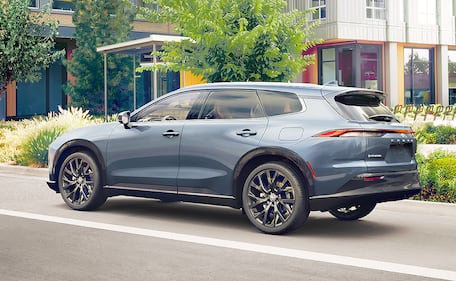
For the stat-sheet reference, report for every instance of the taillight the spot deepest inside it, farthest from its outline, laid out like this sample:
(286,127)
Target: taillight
(361,133)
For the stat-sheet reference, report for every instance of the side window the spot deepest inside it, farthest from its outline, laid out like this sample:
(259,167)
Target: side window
(232,103)
(175,107)
(277,103)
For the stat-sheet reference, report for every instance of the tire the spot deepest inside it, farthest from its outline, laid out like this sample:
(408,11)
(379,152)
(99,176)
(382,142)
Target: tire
(80,182)
(274,198)
(353,212)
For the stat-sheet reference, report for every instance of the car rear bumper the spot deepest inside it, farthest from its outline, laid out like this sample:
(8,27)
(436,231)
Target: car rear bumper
(379,187)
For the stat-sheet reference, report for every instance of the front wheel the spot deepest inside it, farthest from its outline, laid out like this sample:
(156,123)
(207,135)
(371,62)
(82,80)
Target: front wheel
(353,212)
(274,198)
(80,182)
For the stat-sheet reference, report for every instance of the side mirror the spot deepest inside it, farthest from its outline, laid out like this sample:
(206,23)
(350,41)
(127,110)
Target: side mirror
(124,118)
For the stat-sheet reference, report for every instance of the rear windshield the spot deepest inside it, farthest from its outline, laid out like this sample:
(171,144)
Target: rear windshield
(364,107)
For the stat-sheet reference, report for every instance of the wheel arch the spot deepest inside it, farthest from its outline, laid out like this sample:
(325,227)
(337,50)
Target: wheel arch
(79,145)
(259,156)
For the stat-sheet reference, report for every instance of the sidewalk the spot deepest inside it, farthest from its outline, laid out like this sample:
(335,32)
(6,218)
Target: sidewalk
(21,170)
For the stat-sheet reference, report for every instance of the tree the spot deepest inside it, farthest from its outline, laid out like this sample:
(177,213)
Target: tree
(26,43)
(235,40)
(99,23)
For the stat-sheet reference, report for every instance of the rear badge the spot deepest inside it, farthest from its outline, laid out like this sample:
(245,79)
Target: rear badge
(375,156)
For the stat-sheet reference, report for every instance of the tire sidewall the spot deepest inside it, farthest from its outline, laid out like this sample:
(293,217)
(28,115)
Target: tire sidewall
(301,205)
(97,196)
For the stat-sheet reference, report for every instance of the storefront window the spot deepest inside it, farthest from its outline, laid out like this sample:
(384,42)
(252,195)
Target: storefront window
(328,65)
(351,65)
(370,74)
(418,76)
(452,76)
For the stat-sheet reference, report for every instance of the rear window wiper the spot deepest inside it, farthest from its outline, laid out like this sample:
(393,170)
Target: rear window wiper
(382,117)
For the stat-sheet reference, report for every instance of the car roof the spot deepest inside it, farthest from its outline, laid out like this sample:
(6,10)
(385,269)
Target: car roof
(298,88)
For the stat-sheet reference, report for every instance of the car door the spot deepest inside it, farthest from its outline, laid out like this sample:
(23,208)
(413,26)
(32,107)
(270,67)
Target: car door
(230,124)
(145,154)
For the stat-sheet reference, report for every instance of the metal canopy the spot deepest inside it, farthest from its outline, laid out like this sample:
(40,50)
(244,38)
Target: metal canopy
(134,47)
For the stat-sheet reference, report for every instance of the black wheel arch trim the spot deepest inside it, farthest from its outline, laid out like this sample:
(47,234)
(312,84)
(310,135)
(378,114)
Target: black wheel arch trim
(273,152)
(63,151)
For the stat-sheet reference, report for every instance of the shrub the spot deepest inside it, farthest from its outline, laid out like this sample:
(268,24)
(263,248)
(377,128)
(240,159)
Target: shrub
(438,176)
(440,134)
(26,142)
(34,150)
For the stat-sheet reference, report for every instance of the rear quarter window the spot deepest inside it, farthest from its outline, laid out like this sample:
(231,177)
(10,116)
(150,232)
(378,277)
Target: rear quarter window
(278,103)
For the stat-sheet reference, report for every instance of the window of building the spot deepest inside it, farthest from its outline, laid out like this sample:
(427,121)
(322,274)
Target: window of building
(418,76)
(66,5)
(320,7)
(452,76)
(34,4)
(375,9)
(352,65)
(427,11)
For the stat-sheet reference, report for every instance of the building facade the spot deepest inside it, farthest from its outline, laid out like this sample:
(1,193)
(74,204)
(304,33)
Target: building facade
(405,48)
(24,99)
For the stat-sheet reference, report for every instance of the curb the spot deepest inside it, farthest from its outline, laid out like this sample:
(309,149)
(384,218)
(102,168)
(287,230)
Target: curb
(22,170)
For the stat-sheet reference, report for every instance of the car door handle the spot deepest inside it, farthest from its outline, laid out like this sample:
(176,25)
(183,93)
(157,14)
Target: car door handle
(246,133)
(170,134)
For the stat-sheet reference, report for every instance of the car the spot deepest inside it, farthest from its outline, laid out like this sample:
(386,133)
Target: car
(274,150)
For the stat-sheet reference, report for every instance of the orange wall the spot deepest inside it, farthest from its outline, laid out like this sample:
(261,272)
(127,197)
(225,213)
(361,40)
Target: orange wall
(11,99)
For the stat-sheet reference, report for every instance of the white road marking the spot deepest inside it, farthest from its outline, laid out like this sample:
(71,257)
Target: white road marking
(251,247)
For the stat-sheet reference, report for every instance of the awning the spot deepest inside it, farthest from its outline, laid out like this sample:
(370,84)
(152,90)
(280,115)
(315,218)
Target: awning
(134,47)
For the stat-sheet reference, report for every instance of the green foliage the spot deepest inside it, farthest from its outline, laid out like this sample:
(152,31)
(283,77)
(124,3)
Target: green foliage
(431,134)
(35,148)
(26,42)
(26,142)
(438,176)
(235,40)
(99,23)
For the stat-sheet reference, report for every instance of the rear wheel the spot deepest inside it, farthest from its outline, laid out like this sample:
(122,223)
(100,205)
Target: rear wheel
(353,212)
(80,182)
(274,198)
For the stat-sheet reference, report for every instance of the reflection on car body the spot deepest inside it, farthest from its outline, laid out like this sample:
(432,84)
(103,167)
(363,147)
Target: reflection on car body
(276,150)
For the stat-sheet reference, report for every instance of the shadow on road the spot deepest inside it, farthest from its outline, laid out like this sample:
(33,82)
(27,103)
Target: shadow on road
(319,224)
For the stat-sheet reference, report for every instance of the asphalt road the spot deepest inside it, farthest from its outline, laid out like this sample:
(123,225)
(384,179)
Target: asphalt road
(144,239)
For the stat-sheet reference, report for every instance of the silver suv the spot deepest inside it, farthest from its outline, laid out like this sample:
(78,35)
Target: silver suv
(275,150)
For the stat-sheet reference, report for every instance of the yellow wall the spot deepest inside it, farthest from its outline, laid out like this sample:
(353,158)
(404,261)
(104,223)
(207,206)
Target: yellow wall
(188,78)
